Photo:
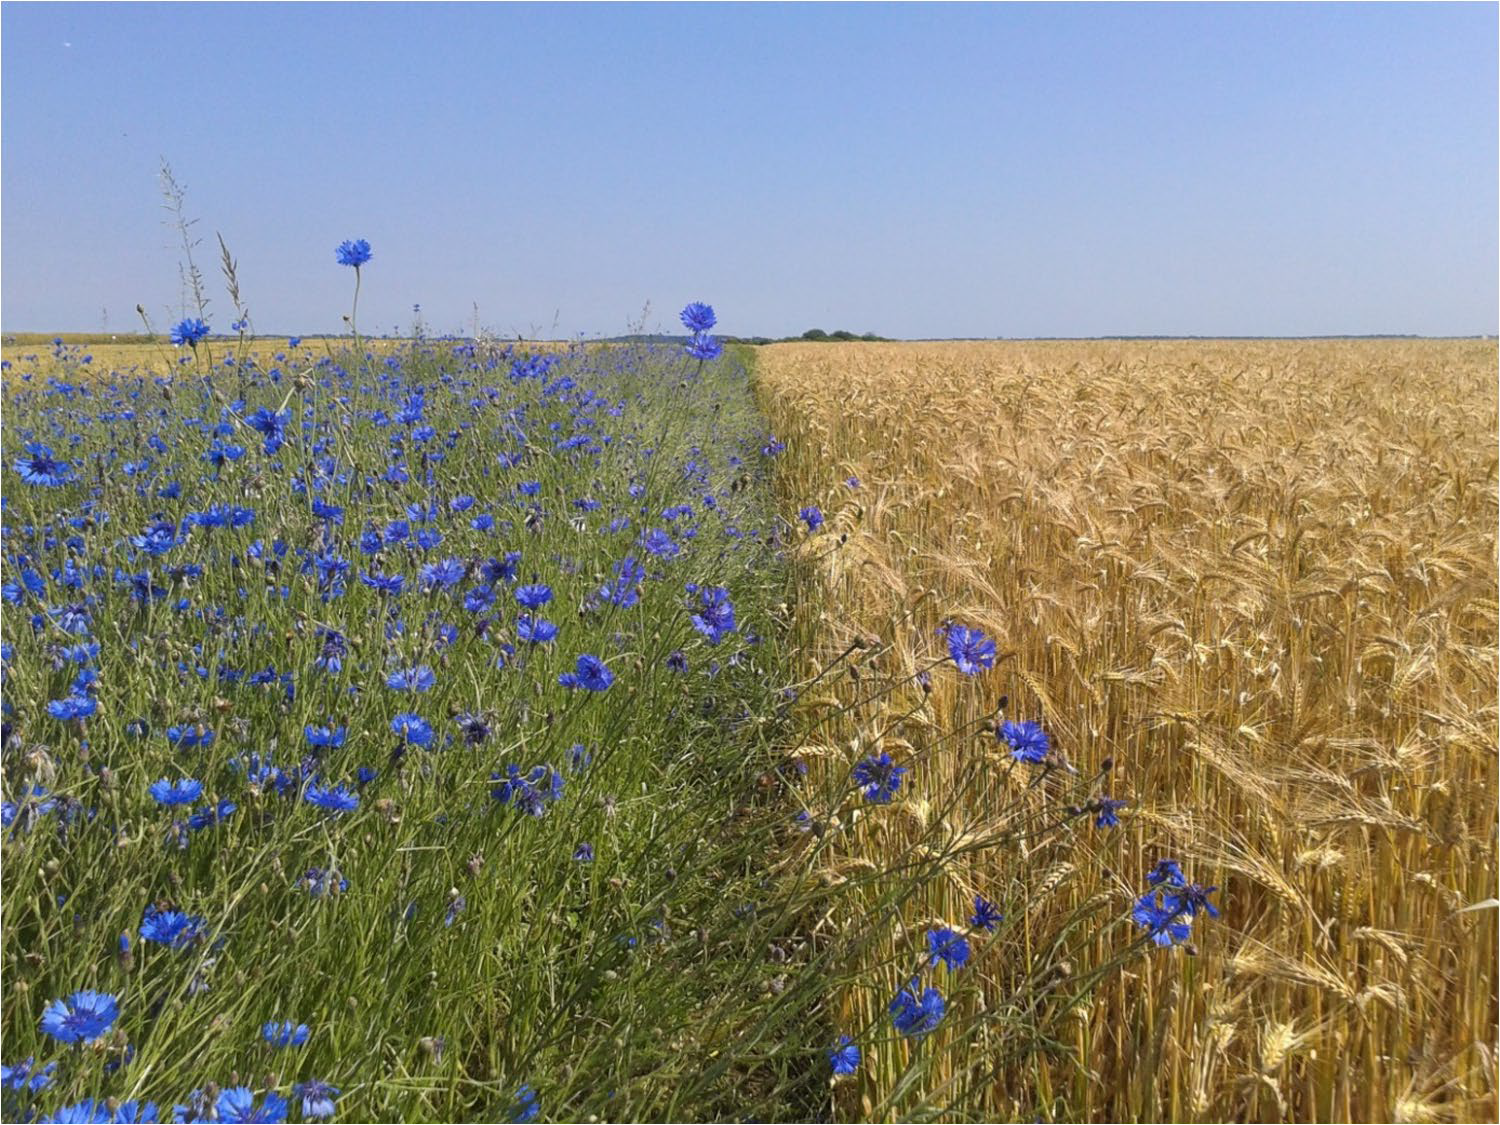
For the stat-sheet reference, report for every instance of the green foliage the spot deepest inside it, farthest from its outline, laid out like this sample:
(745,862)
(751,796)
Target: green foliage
(632,987)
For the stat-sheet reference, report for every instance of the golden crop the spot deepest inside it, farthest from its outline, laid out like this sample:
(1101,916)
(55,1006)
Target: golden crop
(1260,577)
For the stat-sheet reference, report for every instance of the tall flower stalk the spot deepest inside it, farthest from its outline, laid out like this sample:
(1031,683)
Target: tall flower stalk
(354,252)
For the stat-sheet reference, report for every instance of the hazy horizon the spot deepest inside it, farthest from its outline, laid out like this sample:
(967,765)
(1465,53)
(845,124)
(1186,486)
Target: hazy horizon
(920,172)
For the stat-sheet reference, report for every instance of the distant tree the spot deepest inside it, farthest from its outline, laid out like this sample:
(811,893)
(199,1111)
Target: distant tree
(815,334)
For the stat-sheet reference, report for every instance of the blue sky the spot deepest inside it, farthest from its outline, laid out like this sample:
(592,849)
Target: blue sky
(926,170)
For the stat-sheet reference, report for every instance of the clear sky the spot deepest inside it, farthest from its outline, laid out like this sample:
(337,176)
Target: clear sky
(923,170)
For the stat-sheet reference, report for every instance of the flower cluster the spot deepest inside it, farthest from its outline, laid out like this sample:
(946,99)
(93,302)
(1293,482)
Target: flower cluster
(698,319)
(1167,909)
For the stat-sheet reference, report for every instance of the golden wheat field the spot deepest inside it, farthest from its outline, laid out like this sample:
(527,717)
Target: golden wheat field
(1260,578)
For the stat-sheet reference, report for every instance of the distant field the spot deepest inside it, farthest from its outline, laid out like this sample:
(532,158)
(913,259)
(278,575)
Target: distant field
(35,351)
(1258,579)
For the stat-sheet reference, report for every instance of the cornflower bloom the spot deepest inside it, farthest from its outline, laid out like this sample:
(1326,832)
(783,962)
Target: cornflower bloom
(844,1056)
(916,1014)
(947,946)
(878,778)
(970,649)
(82,1017)
(1028,742)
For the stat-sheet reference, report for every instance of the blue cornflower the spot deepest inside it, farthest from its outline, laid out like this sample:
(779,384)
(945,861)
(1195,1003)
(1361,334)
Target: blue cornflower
(1167,871)
(879,778)
(181,792)
(159,537)
(420,678)
(41,468)
(479,598)
(236,1105)
(329,513)
(219,455)
(1167,925)
(354,252)
(72,707)
(324,738)
(501,570)
(317,1098)
(142,588)
(917,1015)
(272,425)
(1190,899)
(623,589)
(334,798)
(388,584)
(534,596)
(949,947)
(90,1110)
(698,317)
(412,728)
(715,616)
(1028,742)
(189,331)
(584,852)
(473,727)
(844,1056)
(1168,910)
(82,1017)
(986,914)
(223,515)
(285,1033)
(445,573)
(590,673)
(26,1076)
(658,543)
(702,346)
(1107,809)
(812,515)
(171,928)
(210,815)
(185,738)
(970,649)
(34,805)
(75,619)
(335,648)
(529,792)
(536,631)
(524,1108)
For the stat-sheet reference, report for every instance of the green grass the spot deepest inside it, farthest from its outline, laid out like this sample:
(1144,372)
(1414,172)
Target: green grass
(631,988)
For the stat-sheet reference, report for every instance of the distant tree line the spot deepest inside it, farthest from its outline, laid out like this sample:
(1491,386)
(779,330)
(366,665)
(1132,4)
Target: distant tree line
(815,334)
(819,334)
